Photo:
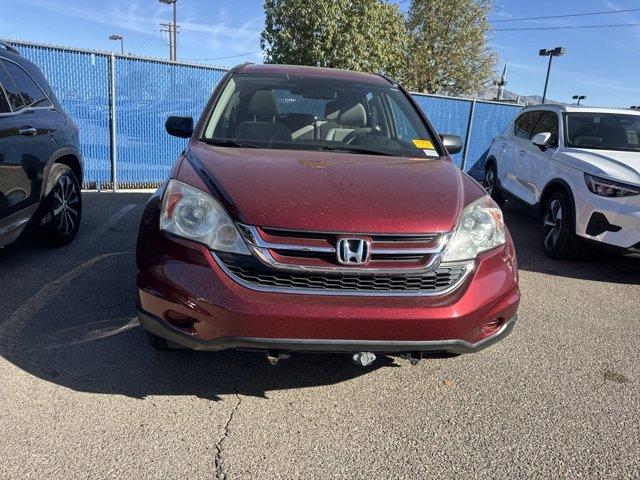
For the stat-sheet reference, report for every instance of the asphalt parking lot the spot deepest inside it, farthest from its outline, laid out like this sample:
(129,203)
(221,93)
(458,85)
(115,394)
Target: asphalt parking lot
(84,396)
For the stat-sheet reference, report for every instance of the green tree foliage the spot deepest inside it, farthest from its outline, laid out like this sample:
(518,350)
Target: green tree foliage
(440,47)
(361,35)
(448,52)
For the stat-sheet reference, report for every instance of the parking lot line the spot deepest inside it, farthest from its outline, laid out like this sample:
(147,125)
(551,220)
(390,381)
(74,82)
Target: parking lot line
(49,292)
(104,228)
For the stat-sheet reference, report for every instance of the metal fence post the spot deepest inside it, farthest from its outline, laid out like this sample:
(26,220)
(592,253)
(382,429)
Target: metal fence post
(112,121)
(468,135)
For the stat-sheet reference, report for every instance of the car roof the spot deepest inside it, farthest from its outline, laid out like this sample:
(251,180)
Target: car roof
(579,109)
(249,68)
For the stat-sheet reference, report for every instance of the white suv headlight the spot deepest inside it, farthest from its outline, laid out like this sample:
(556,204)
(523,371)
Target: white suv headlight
(193,214)
(481,228)
(609,188)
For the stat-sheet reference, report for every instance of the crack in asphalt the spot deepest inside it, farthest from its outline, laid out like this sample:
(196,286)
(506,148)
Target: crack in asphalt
(217,459)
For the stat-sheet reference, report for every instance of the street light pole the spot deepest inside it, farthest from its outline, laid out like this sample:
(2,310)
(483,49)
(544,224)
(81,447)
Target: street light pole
(579,97)
(546,81)
(118,37)
(556,52)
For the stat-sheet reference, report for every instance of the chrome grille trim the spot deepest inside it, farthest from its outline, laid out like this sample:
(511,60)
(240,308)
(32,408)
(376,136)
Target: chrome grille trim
(260,249)
(467,267)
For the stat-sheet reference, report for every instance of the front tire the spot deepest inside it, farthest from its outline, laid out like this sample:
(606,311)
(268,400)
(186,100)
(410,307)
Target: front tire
(62,206)
(158,343)
(558,227)
(490,183)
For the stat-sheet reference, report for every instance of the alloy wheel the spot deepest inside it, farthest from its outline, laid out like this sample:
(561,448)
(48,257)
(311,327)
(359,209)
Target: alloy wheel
(66,205)
(552,225)
(489,181)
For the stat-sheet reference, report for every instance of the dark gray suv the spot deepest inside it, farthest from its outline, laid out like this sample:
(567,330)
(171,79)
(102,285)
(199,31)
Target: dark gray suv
(40,161)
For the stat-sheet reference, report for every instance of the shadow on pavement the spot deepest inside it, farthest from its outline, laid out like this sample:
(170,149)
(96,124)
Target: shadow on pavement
(87,339)
(592,264)
(68,316)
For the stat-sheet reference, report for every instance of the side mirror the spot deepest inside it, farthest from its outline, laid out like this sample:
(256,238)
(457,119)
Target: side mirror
(541,139)
(453,143)
(179,126)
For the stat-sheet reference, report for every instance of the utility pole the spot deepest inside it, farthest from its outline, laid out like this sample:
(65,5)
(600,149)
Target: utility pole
(555,52)
(168,28)
(173,31)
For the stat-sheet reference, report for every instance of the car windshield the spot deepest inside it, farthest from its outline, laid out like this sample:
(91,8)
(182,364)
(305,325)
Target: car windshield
(606,131)
(299,112)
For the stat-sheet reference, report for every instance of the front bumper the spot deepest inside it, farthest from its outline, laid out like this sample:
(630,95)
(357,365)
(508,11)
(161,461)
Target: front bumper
(623,214)
(185,296)
(160,328)
(181,279)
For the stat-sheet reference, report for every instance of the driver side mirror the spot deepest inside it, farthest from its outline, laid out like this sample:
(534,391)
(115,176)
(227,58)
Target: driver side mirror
(541,139)
(453,143)
(181,127)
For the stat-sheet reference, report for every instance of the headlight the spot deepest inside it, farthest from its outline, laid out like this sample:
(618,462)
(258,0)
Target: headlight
(481,228)
(191,213)
(609,188)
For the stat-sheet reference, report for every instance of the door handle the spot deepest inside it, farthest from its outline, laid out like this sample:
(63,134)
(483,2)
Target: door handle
(521,153)
(504,145)
(27,131)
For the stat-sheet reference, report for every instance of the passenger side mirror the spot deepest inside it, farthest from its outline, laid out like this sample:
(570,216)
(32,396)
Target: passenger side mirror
(181,127)
(541,139)
(453,143)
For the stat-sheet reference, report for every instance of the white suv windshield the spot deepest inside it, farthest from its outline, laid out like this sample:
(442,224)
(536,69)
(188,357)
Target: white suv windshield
(317,113)
(606,131)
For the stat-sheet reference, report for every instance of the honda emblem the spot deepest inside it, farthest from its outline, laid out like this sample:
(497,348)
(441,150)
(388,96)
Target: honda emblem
(353,251)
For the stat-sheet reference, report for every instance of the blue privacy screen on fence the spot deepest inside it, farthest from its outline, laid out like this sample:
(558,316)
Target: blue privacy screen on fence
(81,83)
(146,94)
(489,119)
(447,116)
(148,90)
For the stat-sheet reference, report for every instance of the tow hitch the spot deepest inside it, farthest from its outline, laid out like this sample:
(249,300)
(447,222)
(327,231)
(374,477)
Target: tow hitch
(274,356)
(363,358)
(413,357)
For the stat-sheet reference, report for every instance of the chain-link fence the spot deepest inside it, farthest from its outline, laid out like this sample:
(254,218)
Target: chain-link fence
(120,103)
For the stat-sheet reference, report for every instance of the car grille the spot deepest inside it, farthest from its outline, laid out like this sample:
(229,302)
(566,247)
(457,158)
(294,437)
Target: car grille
(254,274)
(287,249)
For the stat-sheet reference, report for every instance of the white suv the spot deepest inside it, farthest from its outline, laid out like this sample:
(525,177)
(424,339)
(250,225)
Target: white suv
(578,169)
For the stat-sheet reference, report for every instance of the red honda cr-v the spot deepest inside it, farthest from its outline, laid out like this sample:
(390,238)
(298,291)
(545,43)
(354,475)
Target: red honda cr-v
(317,210)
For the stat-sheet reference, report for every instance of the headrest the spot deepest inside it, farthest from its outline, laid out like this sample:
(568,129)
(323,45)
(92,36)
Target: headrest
(263,103)
(355,116)
(302,118)
(332,110)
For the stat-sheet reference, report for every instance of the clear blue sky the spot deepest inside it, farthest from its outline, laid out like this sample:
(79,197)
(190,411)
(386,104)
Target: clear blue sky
(600,63)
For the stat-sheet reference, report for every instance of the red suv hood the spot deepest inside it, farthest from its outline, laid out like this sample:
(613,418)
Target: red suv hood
(337,192)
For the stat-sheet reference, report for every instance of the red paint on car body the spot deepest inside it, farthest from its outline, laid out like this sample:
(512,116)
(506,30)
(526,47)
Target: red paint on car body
(312,191)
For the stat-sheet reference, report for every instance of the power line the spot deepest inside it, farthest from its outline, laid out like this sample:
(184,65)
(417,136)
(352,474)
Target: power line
(604,12)
(574,27)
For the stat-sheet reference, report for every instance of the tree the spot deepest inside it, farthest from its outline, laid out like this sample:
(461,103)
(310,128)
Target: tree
(448,52)
(361,35)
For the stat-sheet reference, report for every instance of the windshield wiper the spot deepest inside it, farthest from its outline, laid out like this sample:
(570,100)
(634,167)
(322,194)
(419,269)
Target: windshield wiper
(350,149)
(227,142)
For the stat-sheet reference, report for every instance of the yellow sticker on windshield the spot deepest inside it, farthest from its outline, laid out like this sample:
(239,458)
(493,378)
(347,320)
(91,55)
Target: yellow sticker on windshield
(423,144)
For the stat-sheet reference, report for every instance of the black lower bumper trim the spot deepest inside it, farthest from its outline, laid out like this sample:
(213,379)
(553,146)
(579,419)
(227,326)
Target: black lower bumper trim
(162,329)
(598,224)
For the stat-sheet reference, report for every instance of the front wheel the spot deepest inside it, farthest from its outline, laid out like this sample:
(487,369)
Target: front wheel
(62,206)
(558,232)
(490,184)
(158,343)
